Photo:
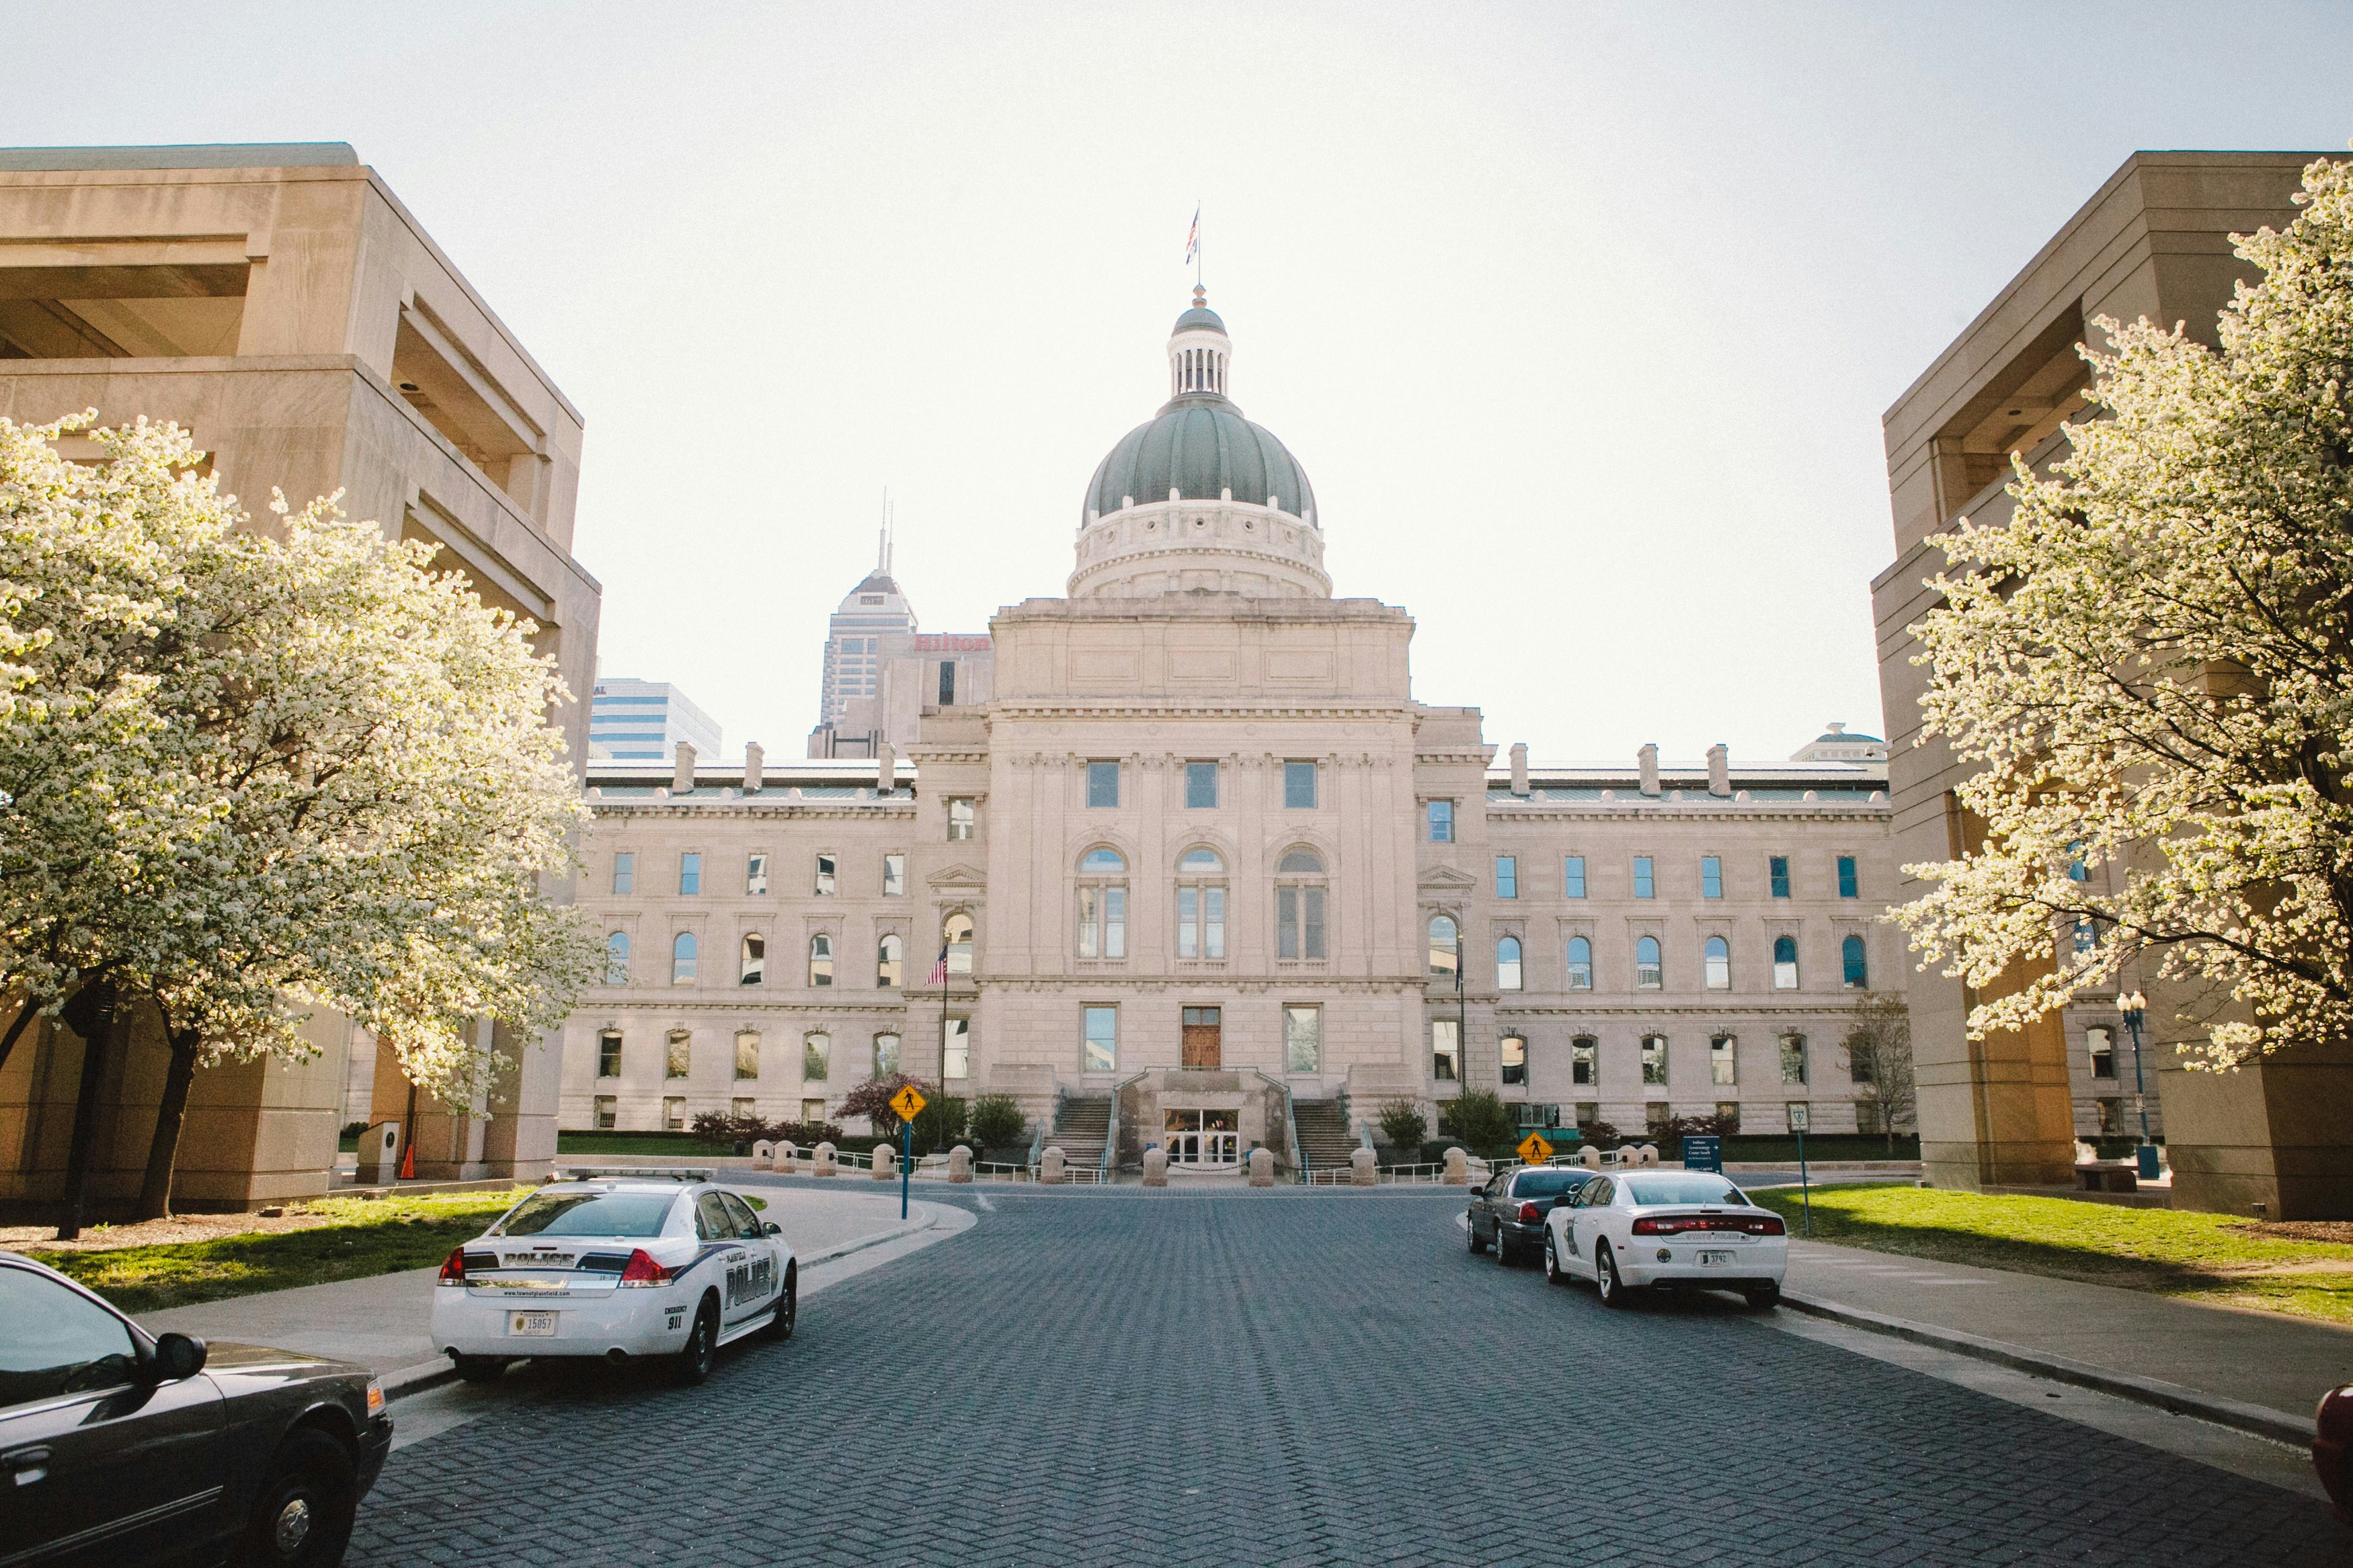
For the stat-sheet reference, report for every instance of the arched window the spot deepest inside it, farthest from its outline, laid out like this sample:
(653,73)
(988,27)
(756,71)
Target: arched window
(955,933)
(616,959)
(816,1049)
(1580,964)
(1648,974)
(681,959)
(820,968)
(1299,892)
(1719,964)
(1508,966)
(755,967)
(1200,905)
(890,968)
(1103,904)
(886,1055)
(1785,964)
(1856,966)
(1445,946)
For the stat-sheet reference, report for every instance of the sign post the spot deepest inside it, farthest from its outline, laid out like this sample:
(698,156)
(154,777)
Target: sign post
(1534,1150)
(906,1105)
(1799,1116)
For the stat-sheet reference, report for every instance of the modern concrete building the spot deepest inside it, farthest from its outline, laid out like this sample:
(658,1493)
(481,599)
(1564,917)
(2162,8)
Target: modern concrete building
(282,304)
(2153,242)
(1199,870)
(644,721)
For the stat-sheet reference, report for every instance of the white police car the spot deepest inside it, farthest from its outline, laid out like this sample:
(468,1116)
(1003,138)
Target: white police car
(617,1264)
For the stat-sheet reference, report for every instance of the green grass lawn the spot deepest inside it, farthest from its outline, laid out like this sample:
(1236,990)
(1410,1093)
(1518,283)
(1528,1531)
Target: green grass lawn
(380,1236)
(2213,1258)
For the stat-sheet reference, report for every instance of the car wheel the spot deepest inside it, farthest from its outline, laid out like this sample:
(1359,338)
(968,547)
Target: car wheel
(693,1362)
(1476,1245)
(303,1515)
(1502,1248)
(1612,1289)
(482,1368)
(1553,1273)
(780,1326)
(1764,1298)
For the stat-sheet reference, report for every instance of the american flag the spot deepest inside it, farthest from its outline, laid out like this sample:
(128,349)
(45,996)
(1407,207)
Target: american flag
(1193,234)
(939,970)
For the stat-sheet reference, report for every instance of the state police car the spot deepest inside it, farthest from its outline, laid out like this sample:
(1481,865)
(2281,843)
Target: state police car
(616,1264)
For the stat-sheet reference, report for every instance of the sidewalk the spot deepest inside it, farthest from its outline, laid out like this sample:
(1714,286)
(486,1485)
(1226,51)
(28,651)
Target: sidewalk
(2255,1371)
(385,1322)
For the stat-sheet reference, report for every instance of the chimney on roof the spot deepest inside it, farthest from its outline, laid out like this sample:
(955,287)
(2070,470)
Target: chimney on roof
(1719,770)
(755,760)
(886,768)
(1519,767)
(1647,759)
(681,778)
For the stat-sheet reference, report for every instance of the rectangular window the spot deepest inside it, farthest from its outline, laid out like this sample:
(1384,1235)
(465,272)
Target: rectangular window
(886,1055)
(1711,876)
(1299,923)
(1513,1052)
(1656,1118)
(1572,877)
(1200,923)
(1584,1066)
(625,873)
(608,1053)
(813,1112)
(1441,821)
(1654,1060)
(1793,1058)
(678,1056)
(962,820)
(894,876)
(817,1052)
(1644,887)
(1507,876)
(1098,1041)
(1589,1111)
(608,1113)
(2102,1043)
(690,875)
(674,1113)
(1302,1039)
(747,1054)
(743,1106)
(1722,1060)
(755,875)
(1847,887)
(947,683)
(1298,786)
(1200,786)
(1102,785)
(1779,866)
(825,869)
(956,1047)
(1446,1050)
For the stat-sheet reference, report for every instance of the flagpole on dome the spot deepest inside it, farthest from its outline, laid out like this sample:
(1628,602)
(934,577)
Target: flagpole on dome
(1193,246)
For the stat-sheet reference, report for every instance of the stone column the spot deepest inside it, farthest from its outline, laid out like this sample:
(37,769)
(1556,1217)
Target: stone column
(1458,1168)
(1156,1167)
(959,1164)
(1361,1169)
(1050,1164)
(1261,1167)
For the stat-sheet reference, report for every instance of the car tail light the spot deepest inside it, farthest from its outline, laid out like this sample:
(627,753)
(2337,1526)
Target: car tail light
(1530,1214)
(1675,1223)
(453,1271)
(641,1269)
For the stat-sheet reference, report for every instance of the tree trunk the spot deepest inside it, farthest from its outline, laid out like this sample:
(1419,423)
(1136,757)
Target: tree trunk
(155,1190)
(8,1041)
(91,1014)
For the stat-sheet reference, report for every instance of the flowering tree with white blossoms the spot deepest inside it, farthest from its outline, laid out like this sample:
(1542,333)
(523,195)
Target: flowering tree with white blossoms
(2151,664)
(316,773)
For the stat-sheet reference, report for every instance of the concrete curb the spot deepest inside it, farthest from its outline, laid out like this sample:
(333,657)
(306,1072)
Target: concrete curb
(425,1376)
(2259,1420)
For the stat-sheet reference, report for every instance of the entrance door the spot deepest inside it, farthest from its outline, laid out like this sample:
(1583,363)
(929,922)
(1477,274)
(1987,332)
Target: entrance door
(1203,1137)
(1202,1047)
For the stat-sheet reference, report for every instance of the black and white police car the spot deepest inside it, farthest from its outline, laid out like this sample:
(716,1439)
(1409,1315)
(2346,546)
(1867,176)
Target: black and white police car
(619,1264)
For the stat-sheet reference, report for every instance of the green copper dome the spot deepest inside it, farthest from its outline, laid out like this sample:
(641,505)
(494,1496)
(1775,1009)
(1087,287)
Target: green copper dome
(1201,447)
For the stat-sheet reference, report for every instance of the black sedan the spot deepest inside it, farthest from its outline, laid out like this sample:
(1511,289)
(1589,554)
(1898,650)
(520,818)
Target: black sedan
(1508,1213)
(122,1447)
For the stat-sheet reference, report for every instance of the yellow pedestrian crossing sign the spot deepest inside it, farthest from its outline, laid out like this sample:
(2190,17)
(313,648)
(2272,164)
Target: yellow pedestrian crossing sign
(906,1104)
(1535,1150)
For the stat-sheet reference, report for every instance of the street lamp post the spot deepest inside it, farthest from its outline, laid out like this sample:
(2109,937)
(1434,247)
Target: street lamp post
(2135,1007)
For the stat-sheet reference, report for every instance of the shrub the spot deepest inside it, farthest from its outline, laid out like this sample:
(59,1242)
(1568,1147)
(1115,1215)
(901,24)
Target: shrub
(998,1122)
(1486,1126)
(722,1130)
(1402,1126)
(1671,1142)
(940,1123)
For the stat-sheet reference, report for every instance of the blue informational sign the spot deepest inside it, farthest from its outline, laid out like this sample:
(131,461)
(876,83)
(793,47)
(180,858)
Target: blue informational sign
(1704,1153)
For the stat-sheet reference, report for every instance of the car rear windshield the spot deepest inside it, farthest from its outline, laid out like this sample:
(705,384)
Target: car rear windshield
(1549,1183)
(589,1214)
(1683,1187)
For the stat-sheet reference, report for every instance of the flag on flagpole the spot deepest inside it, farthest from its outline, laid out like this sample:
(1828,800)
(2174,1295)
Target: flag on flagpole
(939,970)
(1193,234)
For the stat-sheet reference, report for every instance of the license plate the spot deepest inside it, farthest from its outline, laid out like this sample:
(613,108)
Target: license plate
(1709,1260)
(538,1260)
(540,1324)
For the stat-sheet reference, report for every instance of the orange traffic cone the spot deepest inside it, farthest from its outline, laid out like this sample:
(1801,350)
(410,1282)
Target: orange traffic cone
(408,1164)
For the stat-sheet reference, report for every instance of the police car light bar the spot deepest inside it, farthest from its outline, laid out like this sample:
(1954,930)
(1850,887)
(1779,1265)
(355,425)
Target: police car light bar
(637,1173)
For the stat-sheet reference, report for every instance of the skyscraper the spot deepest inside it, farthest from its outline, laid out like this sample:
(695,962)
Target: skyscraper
(873,611)
(644,721)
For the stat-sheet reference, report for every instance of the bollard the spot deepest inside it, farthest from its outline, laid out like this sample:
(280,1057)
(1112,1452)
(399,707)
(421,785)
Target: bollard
(764,1156)
(1650,1153)
(959,1164)
(821,1159)
(1589,1157)
(1156,1167)
(1261,1167)
(886,1163)
(1050,1164)
(1458,1168)
(788,1155)
(1361,1169)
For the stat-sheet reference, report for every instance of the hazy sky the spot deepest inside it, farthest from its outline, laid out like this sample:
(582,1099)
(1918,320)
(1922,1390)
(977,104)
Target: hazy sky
(1581,318)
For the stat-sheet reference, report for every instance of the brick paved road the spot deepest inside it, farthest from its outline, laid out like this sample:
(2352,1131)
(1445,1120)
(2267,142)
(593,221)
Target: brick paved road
(1130,1378)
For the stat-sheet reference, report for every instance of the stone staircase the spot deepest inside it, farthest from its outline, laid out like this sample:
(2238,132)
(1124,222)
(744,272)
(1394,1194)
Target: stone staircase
(1081,1127)
(1323,1135)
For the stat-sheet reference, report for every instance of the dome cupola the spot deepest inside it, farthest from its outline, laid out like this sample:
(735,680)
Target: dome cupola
(1198,498)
